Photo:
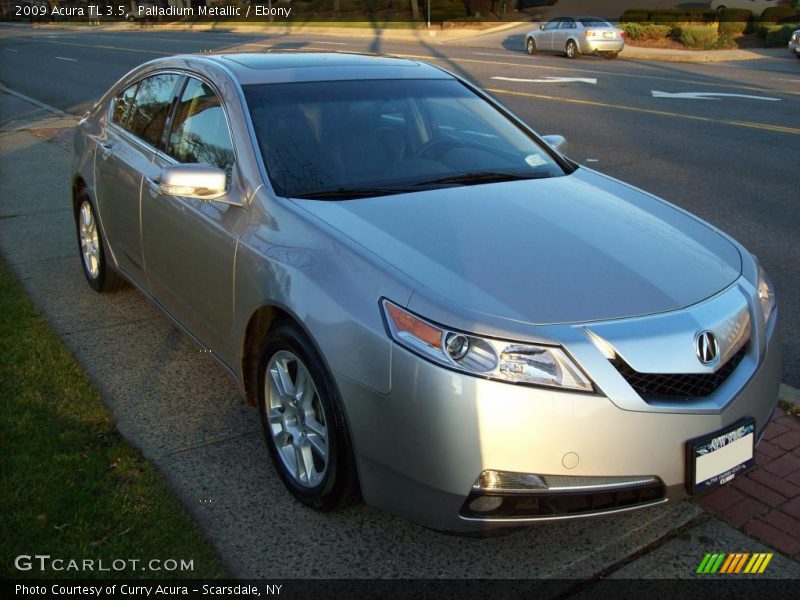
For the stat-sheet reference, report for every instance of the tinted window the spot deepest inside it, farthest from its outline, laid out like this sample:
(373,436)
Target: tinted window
(553,24)
(595,22)
(400,134)
(568,24)
(199,130)
(153,101)
(122,105)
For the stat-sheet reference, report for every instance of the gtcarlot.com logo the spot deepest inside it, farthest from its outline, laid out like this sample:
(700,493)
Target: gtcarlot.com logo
(735,563)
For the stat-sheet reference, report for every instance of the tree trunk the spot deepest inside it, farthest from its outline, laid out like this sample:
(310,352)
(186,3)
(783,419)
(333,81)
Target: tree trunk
(415,9)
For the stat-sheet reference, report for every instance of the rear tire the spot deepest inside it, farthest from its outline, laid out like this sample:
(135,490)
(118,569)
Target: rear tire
(303,421)
(530,46)
(99,274)
(571,49)
(610,55)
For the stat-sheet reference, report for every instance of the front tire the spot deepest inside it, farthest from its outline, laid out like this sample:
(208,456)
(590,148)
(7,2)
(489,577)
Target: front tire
(571,49)
(100,275)
(530,46)
(303,421)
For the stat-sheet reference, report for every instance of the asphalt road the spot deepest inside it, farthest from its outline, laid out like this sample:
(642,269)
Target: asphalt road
(732,160)
(187,416)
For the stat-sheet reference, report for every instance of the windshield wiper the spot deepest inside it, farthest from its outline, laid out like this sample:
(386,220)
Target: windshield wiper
(482,177)
(351,193)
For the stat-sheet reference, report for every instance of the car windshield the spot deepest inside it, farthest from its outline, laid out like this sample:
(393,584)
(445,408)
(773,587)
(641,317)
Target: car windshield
(356,139)
(595,22)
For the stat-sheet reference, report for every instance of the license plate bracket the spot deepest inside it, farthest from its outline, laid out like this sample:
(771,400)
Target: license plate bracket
(716,458)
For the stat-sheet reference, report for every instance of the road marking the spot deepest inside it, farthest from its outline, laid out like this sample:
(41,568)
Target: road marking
(109,47)
(332,43)
(550,80)
(605,73)
(592,160)
(660,113)
(708,96)
(492,54)
(65,58)
(10,50)
(35,102)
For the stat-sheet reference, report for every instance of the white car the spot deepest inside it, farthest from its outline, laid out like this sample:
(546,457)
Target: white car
(794,43)
(755,6)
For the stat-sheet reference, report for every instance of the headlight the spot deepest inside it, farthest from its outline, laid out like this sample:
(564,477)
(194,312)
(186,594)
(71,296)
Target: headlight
(766,295)
(505,361)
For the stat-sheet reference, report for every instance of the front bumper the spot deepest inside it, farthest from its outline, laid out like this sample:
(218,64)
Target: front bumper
(421,447)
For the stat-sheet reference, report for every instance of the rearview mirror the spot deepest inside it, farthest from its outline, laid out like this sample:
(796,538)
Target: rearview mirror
(556,142)
(199,181)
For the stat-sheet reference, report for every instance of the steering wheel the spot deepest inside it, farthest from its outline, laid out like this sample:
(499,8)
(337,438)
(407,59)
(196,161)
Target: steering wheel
(442,141)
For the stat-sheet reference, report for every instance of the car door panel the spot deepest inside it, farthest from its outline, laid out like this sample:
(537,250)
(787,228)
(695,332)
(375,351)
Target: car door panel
(124,154)
(189,244)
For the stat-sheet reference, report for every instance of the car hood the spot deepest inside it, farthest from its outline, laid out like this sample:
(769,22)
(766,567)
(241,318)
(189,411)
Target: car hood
(577,248)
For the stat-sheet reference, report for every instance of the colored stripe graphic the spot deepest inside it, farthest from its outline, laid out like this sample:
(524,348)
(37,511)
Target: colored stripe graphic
(722,563)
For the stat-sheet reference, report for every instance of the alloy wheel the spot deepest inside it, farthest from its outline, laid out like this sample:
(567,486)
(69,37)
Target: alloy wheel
(90,240)
(296,419)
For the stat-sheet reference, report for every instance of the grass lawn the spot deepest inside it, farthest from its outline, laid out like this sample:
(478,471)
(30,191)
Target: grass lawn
(70,486)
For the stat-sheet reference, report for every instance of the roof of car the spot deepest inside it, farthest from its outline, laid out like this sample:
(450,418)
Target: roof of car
(285,67)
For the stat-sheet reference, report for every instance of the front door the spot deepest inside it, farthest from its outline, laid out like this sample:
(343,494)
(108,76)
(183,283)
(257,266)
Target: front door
(189,244)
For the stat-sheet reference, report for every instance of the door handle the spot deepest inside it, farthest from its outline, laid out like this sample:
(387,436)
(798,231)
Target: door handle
(105,148)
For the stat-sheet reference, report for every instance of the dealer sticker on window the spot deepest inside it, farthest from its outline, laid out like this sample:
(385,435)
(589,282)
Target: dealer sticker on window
(717,458)
(535,160)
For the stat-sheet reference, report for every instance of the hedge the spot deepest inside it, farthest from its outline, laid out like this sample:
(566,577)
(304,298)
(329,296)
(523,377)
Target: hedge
(778,14)
(646,31)
(698,36)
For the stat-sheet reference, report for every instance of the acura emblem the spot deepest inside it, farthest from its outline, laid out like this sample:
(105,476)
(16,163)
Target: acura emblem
(705,345)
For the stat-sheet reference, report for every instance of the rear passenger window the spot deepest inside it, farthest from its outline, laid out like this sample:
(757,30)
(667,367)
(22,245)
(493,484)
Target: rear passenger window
(151,106)
(199,129)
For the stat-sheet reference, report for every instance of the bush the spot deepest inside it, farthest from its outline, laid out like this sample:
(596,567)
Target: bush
(777,14)
(777,35)
(734,21)
(699,37)
(646,31)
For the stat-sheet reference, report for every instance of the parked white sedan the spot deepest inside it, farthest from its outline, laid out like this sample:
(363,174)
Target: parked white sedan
(576,36)
(794,43)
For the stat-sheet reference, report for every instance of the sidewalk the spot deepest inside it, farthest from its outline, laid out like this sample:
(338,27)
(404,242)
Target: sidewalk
(668,55)
(187,417)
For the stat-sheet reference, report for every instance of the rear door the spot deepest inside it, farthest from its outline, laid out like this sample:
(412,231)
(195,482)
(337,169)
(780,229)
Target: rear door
(124,154)
(568,28)
(189,244)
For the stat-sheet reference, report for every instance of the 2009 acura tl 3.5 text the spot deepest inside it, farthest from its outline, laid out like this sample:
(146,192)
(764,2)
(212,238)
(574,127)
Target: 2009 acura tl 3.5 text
(431,306)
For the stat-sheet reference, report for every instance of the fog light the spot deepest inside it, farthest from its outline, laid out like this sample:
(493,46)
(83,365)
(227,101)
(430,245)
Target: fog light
(484,504)
(457,346)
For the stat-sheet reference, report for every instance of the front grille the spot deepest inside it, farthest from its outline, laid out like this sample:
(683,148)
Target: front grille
(567,504)
(679,385)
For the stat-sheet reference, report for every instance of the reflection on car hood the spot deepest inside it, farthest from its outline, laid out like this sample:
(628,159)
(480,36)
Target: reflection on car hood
(567,249)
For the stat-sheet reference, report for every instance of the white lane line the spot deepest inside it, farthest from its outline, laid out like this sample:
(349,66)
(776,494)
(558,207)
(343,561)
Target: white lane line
(10,50)
(493,54)
(35,102)
(331,43)
(592,160)
(65,58)
(550,80)
(708,96)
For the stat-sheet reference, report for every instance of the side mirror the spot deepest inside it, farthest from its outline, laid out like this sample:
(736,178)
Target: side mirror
(199,181)
(541,26)
(556,142)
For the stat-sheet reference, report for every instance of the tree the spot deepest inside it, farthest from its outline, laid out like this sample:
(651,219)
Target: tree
(415,9)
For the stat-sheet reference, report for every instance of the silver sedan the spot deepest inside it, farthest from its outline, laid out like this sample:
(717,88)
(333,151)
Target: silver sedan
(430,305)
(573,36)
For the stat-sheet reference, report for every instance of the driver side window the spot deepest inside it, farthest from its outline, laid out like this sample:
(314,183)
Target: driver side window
(199,131)
(552,24)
